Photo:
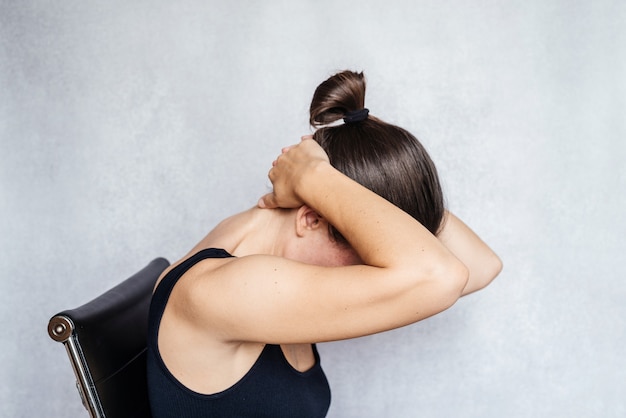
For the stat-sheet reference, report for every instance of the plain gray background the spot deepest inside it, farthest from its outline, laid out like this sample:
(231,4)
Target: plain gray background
(129,128)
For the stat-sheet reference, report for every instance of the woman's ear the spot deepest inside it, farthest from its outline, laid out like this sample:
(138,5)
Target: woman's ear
(308,220)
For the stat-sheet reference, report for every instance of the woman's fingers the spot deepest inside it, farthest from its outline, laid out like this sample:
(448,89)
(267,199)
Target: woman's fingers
(267,201)
(286,170)
(270,200)
(287,148)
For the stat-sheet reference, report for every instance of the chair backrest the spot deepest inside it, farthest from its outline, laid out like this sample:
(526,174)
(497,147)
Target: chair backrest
(105,340)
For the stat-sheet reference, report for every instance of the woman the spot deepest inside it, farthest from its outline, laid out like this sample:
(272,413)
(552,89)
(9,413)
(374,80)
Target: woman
(353,240)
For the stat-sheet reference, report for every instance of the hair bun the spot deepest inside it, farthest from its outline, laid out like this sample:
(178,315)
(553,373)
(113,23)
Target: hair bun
(339,95)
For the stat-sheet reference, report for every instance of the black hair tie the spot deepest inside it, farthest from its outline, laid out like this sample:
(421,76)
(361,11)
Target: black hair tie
(356,116)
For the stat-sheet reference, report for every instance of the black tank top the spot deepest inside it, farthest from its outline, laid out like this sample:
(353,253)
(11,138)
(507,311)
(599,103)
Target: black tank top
(271,388)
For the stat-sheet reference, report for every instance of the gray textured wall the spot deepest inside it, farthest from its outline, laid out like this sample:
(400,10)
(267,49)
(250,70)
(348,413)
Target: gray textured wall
(128,129)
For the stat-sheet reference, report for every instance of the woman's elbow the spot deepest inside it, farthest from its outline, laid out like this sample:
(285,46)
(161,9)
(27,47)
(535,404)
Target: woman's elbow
(490,270)
(495,269)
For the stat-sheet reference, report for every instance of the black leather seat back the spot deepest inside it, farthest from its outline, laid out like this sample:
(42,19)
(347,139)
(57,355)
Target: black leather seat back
(106,343)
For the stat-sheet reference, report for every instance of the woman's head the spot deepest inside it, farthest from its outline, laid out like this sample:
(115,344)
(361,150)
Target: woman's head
(382,157)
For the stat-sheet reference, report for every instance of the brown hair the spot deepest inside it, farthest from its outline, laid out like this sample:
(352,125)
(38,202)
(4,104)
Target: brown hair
(382,157)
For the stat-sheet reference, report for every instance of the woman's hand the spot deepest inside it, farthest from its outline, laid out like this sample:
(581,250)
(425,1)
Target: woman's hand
(287,171)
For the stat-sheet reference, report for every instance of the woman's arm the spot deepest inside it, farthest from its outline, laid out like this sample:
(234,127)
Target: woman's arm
(483,264)
(408,274)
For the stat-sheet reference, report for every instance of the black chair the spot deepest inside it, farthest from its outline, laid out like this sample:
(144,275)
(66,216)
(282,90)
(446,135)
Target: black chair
(105,340)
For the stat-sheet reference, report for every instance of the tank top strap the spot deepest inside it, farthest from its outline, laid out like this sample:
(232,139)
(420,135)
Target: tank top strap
(176,273)
(165,287)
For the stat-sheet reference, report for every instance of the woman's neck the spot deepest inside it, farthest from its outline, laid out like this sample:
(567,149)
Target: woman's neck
(255,231)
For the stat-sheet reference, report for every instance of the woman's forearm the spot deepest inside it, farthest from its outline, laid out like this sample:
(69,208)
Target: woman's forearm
(382,234)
